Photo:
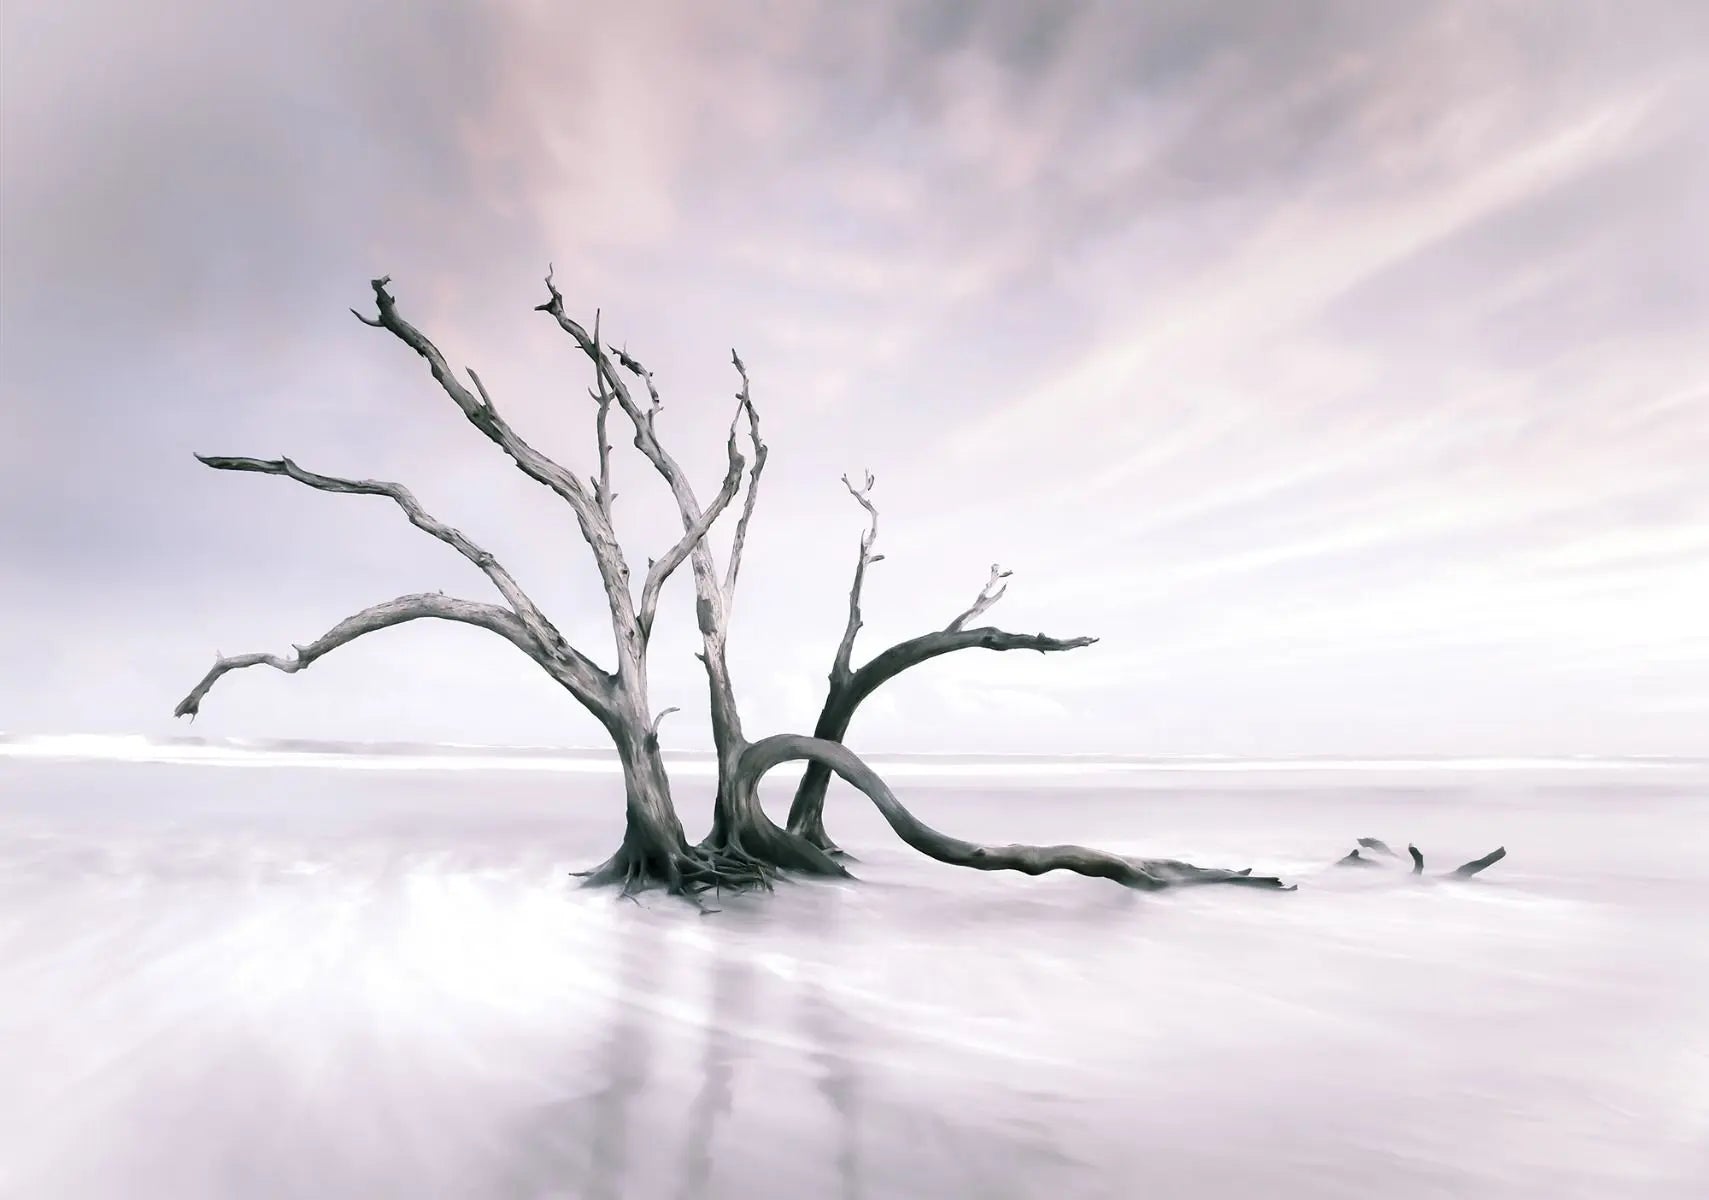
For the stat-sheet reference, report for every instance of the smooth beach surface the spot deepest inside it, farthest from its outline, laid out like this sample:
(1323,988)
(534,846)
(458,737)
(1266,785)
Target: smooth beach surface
(271,972)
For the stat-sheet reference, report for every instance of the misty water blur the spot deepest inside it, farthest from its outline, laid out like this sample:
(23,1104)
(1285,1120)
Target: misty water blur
(309,982)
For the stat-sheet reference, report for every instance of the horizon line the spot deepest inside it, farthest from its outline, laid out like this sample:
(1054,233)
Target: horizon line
(357,746)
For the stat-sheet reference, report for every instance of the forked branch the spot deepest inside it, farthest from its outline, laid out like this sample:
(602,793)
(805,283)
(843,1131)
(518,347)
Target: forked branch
(760,451)
(840,668)
(849,687)
(692,536)
(477,406)
(592,515)
(608,378)
(988,595)
(643,419)
(711,607)
(582,670)
(380,616)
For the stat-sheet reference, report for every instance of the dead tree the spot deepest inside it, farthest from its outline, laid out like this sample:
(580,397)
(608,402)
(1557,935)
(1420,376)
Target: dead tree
(850,686)
(742,832)
(745,848)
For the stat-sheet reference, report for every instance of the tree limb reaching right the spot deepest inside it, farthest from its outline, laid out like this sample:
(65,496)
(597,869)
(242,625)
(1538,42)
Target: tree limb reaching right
(849,686)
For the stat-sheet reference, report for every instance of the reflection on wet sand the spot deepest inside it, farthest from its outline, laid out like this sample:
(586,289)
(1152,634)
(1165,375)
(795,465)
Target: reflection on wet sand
(208,991)
(579,1146)
(732,980)
(826,1029)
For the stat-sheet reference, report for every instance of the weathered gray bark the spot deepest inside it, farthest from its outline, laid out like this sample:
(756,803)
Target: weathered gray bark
(745,848)
(850,687)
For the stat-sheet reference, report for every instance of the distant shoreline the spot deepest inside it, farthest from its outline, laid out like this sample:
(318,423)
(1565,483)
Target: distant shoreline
(259,752)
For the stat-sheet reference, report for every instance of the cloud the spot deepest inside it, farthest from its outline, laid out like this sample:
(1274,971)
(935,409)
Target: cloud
(1304,360)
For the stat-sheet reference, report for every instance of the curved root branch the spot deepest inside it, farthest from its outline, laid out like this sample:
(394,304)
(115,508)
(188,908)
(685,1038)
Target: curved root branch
(1145,874)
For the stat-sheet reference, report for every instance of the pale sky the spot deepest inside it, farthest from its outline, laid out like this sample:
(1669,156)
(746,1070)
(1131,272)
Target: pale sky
(1343,366)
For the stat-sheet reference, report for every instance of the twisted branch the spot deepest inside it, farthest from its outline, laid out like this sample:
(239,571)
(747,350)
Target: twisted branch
(1146,874)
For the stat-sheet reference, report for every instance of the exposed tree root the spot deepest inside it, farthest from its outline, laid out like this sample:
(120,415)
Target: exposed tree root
(1464,871)
(1467,870)
(688,871)
(1148,874)
(754,834)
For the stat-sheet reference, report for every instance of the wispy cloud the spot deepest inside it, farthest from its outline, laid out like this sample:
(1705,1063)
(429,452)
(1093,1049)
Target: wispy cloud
(1344,373)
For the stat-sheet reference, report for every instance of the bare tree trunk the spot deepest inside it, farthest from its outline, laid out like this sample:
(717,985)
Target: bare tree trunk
(807,809)
(1142,873)
(655,850)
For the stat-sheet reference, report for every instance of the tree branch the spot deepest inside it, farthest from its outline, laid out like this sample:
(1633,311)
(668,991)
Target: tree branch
(760,451)
(710,614)
(661,570)
(583,670)
(646,439)
(602,396)
(849,687)
(605,372)
(593,518)
(653,732)
(988,595)
(845,647)
(381,616)
(477,408)
(916,650)
(807,808)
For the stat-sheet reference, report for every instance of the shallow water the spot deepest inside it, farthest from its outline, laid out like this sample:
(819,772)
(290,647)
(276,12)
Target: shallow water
(310,982)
